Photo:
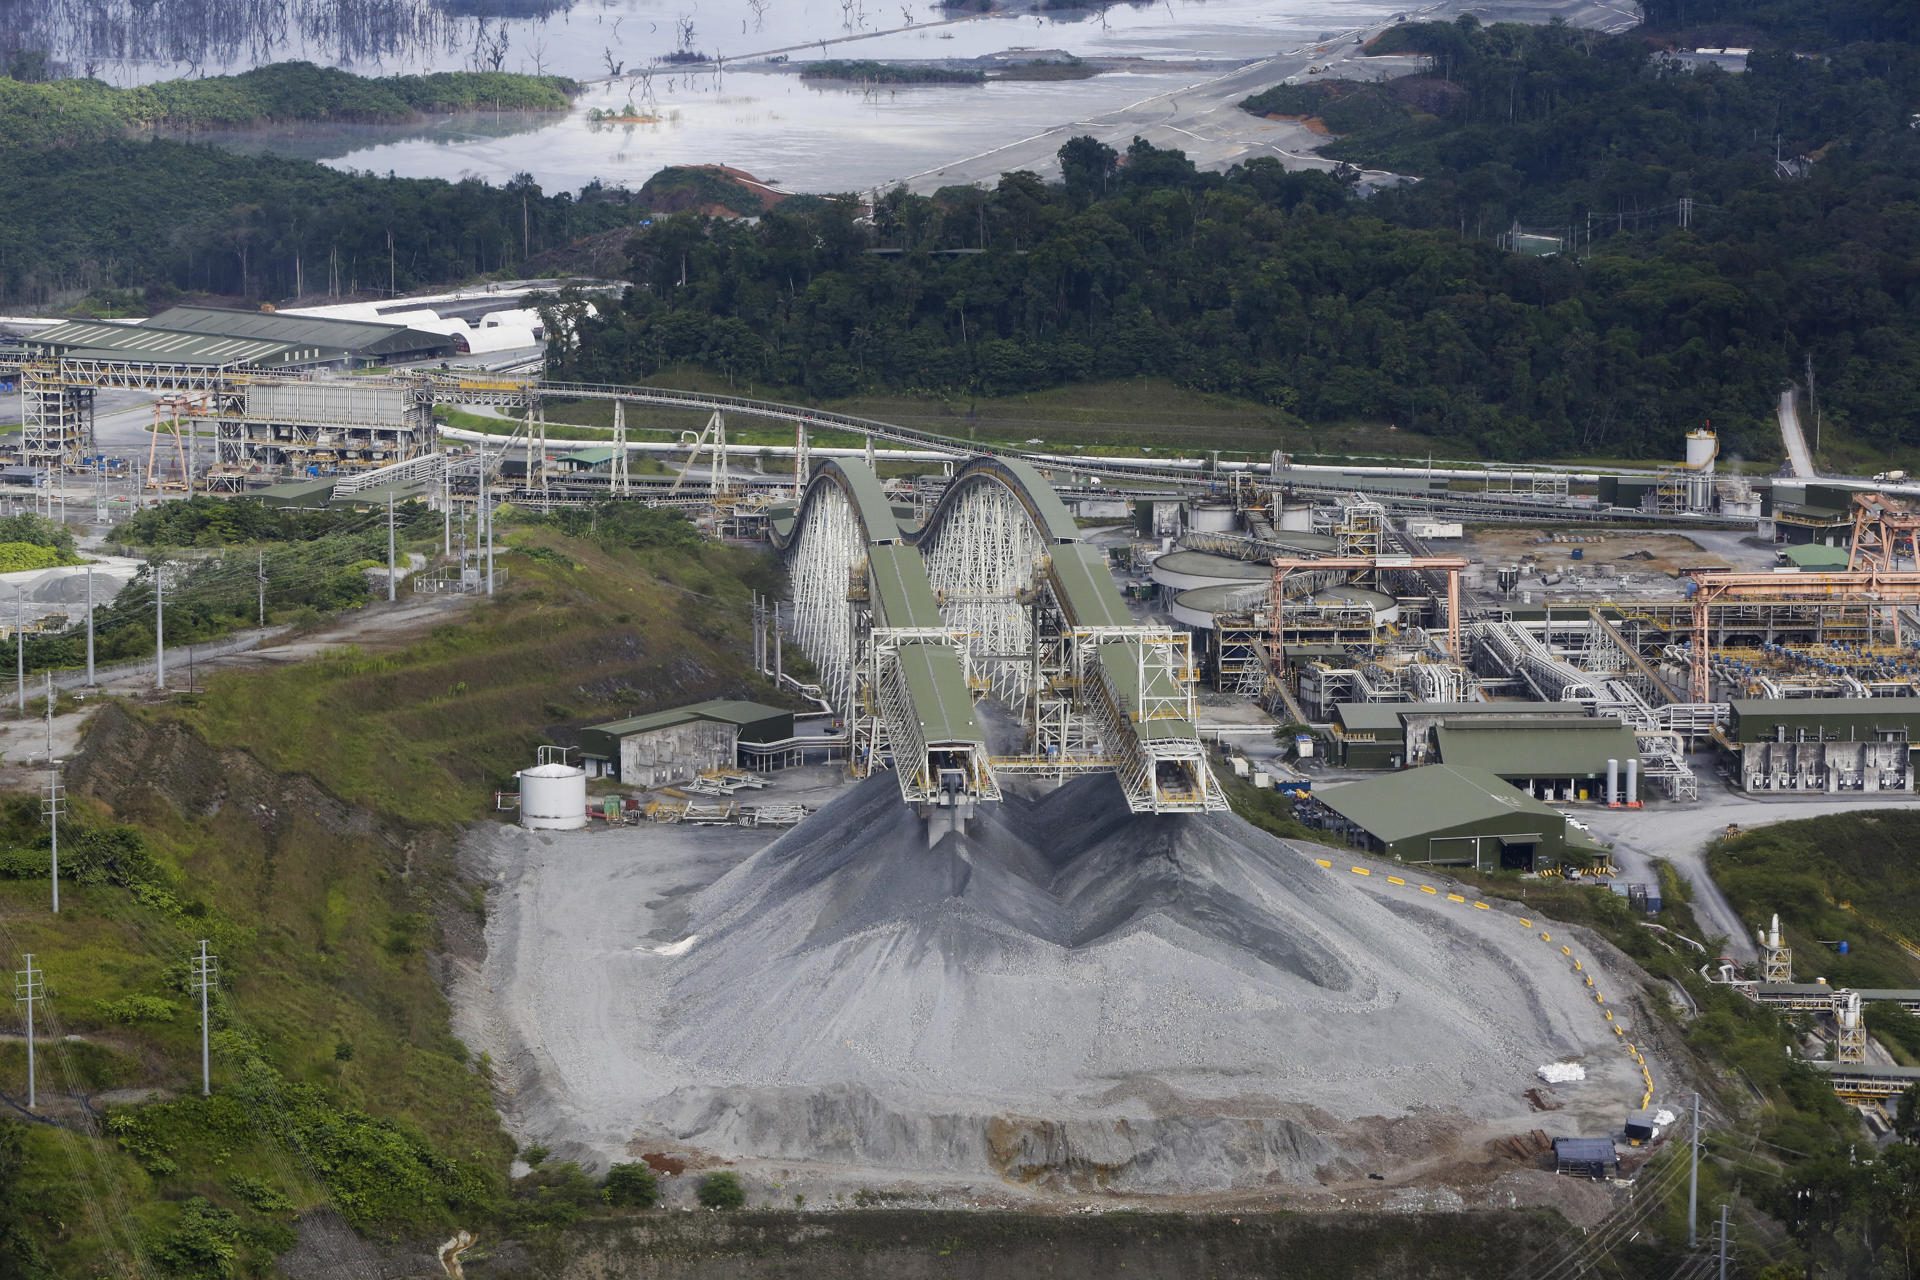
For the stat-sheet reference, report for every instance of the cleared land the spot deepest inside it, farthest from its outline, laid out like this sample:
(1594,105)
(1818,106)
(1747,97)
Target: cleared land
(1069,1000)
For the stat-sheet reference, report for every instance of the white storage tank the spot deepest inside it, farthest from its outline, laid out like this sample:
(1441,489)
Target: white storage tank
(553,794)
(1212,517)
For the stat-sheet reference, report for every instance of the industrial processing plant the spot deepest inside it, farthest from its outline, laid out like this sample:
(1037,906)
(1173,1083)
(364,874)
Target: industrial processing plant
(974,844)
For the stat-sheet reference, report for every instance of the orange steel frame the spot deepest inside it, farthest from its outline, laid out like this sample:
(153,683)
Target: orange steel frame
(1882,531)
(1451,564)
(1712,587)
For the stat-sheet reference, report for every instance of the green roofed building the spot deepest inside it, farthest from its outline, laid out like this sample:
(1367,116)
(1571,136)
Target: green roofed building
(1454,815)
(680,743)
(1814,557)
(1554,757)
(1832,745)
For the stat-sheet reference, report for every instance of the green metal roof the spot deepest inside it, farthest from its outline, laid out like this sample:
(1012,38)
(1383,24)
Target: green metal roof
(1754,719)
(1390,717)
(1514,748)
(358,337)
(152,344)
(1055,521)
(1086,587)
(939,691)
(1120,659)
(870,501)
(902,593)
(296,493)
(590,457)
(1439,797)
(1813,555)
(723,710)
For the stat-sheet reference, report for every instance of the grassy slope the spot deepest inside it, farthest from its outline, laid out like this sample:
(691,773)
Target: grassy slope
(311,843)
(1102,416)
(1806,870)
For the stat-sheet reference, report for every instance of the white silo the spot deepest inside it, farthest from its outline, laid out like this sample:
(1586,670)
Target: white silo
(553,794)
(1702,448)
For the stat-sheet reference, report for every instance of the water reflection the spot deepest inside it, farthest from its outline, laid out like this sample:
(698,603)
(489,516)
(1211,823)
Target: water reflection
(134,41)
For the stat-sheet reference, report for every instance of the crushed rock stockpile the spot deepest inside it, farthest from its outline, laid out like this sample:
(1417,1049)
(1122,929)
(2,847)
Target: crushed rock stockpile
(1068,993)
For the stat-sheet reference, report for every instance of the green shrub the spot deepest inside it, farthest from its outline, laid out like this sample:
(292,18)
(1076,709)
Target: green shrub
(633,1186)
(131,1009)
(202,1242)
(721,1191)
(258,1195)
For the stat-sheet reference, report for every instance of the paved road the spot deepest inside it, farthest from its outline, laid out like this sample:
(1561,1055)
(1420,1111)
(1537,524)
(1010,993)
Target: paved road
(1205,121)
(1798,456)
(1680,834)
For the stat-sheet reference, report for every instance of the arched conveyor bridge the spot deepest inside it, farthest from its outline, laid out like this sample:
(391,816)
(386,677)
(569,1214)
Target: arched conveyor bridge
(995,595)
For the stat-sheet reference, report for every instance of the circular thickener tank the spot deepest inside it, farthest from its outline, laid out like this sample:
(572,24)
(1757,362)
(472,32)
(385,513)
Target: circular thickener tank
(553,797)
(1200,607)
(1185,570)
(1210,517)
(1384,608)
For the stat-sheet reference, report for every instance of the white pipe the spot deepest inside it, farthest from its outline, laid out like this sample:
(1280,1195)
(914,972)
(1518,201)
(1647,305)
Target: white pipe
(1062,461)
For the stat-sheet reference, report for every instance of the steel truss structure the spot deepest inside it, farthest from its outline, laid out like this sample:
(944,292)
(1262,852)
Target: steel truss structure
(1029,617)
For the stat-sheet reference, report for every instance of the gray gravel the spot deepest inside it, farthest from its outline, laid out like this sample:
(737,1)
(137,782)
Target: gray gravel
(1067,996)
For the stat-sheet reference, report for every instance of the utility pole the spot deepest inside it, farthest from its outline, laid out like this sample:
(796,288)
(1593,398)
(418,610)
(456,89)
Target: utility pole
(1693,1180)
(486,520)
(1723,1242)
(390,565)
(205,973)
(55,805)
(159,626)
(49,676)
(27,988)
(260,581)
(20,647)
(90,680)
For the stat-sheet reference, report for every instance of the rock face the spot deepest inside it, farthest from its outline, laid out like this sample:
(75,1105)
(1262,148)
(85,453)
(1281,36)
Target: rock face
(1070,993)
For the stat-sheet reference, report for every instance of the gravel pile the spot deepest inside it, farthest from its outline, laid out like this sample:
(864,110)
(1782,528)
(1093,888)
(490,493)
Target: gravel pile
(1071,993)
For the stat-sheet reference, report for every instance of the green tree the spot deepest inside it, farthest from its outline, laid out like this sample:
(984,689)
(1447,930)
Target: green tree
(721,1190)
(633,1186)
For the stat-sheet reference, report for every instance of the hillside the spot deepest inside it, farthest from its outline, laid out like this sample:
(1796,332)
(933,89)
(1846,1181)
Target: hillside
(301,820)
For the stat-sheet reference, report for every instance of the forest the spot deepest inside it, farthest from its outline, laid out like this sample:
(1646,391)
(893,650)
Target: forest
(41,113)
(1305,292)
(159,218)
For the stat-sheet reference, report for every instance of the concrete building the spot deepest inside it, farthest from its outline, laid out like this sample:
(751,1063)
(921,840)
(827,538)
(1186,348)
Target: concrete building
(1822,744)
(679,744)
(1453,815)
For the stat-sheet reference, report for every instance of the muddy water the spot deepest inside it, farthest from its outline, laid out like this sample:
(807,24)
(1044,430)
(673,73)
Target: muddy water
(790,132)
(752,113)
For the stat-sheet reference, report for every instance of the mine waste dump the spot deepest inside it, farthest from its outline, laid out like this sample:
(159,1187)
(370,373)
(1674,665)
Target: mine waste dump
(1070,995)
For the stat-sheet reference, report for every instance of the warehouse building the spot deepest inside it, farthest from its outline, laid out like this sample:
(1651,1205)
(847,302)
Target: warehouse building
(679,744)
(356,344)
(1559,758)
(1453,815)
(1545,748)
(1822,744)
(221,338)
